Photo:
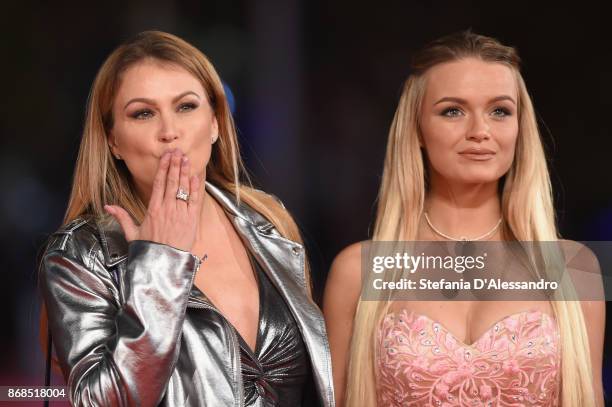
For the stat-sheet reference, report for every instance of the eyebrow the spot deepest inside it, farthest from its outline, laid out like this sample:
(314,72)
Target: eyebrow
(463,101)
(152,102)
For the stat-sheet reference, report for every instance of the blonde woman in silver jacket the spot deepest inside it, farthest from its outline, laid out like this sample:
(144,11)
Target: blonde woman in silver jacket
(171,283)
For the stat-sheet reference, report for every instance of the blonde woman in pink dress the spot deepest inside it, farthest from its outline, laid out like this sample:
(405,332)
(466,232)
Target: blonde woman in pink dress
(464,160)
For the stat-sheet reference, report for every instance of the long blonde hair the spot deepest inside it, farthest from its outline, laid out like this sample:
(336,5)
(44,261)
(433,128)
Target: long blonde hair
(99,179)
(527,208)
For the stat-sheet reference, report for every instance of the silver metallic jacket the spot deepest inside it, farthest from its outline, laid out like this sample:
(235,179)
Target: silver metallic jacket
(131,329)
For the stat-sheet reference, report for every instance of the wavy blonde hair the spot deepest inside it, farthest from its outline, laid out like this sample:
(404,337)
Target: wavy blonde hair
(527,208)
(100,179)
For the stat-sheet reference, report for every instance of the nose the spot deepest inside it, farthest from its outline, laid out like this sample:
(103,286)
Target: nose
(168,131)
(479,130)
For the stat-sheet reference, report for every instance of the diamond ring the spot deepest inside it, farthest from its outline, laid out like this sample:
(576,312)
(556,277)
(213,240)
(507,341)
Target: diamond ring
(182,195)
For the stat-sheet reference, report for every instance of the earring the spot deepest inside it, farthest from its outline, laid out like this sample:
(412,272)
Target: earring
(117,156)
(214,138)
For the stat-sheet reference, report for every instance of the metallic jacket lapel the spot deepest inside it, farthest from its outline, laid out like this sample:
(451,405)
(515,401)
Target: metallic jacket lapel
(283,261)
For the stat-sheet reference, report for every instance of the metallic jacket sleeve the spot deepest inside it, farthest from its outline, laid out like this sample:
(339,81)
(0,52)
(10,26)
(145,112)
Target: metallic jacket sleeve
(117,345)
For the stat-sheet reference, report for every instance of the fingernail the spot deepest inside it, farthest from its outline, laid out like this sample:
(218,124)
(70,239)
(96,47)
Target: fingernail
(185,159)
(108,208)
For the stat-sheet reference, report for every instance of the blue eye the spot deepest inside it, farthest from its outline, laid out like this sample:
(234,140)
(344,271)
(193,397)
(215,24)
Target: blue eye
(185,107)
(142,114)
(451,112)
(501,112)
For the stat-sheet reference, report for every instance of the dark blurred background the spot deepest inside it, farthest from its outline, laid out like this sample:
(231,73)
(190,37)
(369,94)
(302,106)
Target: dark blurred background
(315,85)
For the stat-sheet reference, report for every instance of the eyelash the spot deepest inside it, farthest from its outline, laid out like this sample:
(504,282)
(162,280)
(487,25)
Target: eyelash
(137,114)
(505,111)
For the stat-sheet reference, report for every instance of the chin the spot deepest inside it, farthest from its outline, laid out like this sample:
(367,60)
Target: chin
(479,180)
(475,178)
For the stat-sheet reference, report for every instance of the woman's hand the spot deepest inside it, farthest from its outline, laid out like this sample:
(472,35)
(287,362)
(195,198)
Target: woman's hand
(168,220)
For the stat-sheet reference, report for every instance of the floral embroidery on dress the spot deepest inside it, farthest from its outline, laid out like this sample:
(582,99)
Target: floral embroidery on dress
(516,362)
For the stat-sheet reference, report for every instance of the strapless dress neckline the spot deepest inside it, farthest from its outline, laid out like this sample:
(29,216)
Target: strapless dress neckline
(419,362)
(533,312)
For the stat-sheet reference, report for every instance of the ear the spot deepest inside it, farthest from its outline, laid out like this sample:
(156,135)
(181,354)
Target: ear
(215,124)
(419,132)
(112,143)
(214,131)
(420,138)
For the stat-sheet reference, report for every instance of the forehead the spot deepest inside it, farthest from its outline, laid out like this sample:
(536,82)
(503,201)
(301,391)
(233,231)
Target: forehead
(470,78)
(153,79)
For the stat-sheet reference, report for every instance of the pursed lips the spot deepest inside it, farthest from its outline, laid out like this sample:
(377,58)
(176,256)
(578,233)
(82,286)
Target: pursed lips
(171,150)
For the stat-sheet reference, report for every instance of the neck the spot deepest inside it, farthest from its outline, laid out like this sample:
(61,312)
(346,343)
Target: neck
(208,213)
(464,210)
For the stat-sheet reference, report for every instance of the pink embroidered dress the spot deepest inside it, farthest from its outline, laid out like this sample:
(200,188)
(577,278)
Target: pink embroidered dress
(516,362)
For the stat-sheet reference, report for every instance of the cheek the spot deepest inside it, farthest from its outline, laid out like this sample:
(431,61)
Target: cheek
(200,146)
(134,138)
(142,167)
(440,139)
(137,150)
(507,143)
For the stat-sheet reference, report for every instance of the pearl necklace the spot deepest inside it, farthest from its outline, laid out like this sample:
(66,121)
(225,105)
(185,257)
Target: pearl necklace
(462,238)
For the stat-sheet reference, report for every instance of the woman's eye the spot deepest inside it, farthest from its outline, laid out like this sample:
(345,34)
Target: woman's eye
(142,114)
(184,107)
(501,112)
(451,112)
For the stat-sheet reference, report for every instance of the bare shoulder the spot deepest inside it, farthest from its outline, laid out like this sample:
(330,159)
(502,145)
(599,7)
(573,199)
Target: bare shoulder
(579,256)
(344,279)
(347,264)
(583,265)
(350,255)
